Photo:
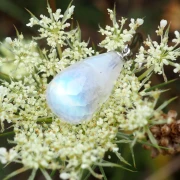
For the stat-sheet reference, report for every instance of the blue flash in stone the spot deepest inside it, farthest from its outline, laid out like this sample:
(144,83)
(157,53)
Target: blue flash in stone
(77,92)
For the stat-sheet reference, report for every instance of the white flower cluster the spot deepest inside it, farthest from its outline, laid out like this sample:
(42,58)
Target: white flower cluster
(33,149)
(77,51)
(7,156)
(160,54)
(22,58)
(126,105)
(116,37)
(138,116)
(44,141)
(22,100)
(53,28)
(50,63)
(79,146)
(42,145)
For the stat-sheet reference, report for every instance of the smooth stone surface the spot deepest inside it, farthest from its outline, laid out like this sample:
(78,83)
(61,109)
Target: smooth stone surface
(77,92)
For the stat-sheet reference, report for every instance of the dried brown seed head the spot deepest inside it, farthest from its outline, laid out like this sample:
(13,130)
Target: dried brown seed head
(165,130)
(172,113)
(165,141)
(156,131)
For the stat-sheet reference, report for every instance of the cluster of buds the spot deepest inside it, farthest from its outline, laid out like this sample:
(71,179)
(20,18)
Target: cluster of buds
(167,136)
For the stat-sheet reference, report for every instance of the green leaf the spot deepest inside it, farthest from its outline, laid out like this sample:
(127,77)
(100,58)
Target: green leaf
(5,77)
(145,80)
(134,142)
(114,19)
(53,173)
(150,144)
(31,14)
(87,176)
(135,70)
(79,32)
(110,164)
(167,31)
(7,134)
(48,6)
(122,135)
(17,32)
(146,73)
(158,92)
(16,173)
(160,85)
(44,120)
(152,139)
(132,153)
(163,105)
(65,18)
(124,141)
(122,159)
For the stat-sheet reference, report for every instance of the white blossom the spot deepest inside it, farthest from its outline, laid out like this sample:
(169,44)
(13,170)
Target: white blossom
(115,38)
(53,28)
(6,156)
(22,59)
(64,175)
(163,23)
(3,154)
(159,54)
(44,141)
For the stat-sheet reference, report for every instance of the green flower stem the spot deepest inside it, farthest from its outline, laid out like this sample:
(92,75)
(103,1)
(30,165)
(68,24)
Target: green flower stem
(16,173)
(4,77)
(103,173)
(159,86)
(44,120)
(7,134)
(59,50)
(53,173)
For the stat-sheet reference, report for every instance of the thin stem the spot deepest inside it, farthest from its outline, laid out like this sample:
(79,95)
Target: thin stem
(164,75)
(16,173)
(98,176)
(33,174)
(46,175)
(103,173)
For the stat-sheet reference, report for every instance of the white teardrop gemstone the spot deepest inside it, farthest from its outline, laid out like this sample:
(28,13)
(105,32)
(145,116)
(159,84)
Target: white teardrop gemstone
(77,92)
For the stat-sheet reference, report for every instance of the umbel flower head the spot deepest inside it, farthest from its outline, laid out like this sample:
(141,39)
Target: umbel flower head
(43,141)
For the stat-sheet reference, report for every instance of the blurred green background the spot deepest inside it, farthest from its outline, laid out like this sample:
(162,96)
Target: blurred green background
(90,14)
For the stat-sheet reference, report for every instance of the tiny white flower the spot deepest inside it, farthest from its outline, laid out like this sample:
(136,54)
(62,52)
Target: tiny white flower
(8,40)
(176,34)
(140,21)
(3,155)
(115,149)
(64,175)
(163,23)
(84,166)
(100,121)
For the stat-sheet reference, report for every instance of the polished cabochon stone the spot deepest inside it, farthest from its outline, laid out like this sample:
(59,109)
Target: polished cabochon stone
(78,91)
